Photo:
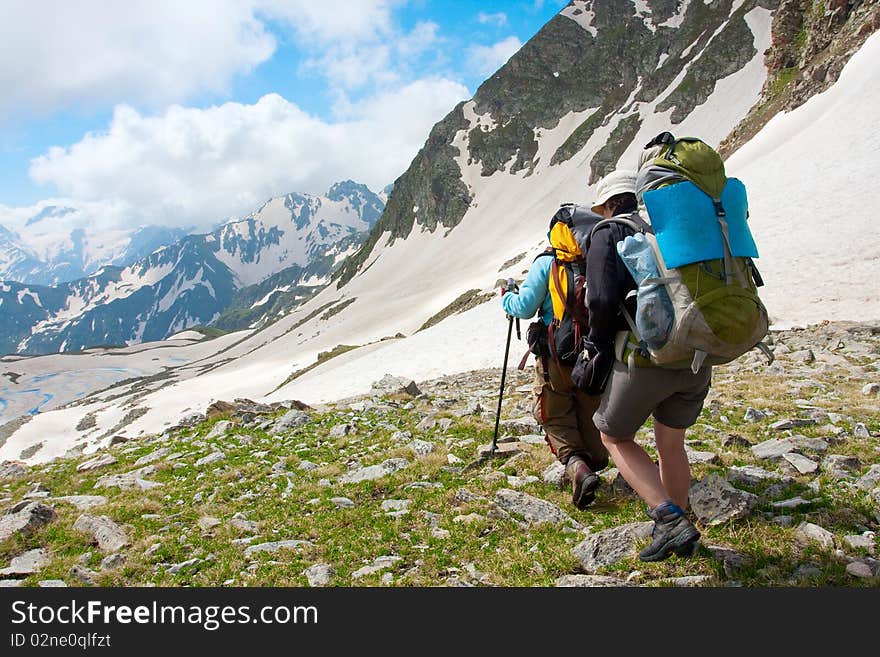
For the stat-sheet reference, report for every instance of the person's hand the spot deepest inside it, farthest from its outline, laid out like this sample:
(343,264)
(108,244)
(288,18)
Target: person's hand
(593,367)
(509,286)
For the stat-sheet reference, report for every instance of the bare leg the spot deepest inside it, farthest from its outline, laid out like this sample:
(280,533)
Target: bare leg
(675,472)
(637,468)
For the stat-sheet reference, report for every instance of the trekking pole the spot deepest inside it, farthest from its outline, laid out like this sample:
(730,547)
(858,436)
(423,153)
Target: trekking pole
(494,446)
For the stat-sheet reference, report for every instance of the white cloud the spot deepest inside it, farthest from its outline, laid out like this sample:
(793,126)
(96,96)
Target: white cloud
(485,60)
(499,19)
(139,51)
(197,166)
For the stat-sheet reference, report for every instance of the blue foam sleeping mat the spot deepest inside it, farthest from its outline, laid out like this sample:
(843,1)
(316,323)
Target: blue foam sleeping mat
(687,229)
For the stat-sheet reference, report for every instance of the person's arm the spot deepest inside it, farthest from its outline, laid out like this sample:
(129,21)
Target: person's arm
(531,293)
(603,287)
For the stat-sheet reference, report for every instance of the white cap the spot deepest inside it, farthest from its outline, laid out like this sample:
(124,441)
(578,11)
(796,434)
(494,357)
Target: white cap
(621,181)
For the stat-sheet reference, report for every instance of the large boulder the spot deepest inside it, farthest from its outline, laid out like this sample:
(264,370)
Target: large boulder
(715,501)
(609,546)
(24,518)
(533,510)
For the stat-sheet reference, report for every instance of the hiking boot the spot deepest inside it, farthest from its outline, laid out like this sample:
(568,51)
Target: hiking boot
(673,532)
(584,482)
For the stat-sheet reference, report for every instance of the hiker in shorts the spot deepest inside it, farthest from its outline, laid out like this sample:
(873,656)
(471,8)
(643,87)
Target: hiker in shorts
(565,413)
(633,389)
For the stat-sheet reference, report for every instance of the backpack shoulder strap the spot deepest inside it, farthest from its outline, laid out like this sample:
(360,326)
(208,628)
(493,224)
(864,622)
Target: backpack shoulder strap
(629,223)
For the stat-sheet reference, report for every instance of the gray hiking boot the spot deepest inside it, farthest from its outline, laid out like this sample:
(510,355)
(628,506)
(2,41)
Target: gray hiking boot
(673,532)
(584,482)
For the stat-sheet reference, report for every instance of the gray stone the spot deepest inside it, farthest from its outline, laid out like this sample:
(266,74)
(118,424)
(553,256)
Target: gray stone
(177,568)
(533,439)
(126,480)
(421,447)
(379,564)
(801,463)
(244,525)
(690,581)
(754,415)
(792,503)
(109,536)
(860,430)
(750,475)
(773,449)
(714,501)
(523,426)
(12,470)
(696,456)
(342,502)
(321,574)
(859,569)
(609,546)
(783,521)
(151,457)
(395,385)
(83,575)
(82,502)
(52,583)
(782,425)
(731,560)
(535,511)
(401,436)
(515,481)
(97,462)
(554,474)
(811,444)
(219,429)
(807,571)
(395,505)
(871,389)
(807,532)
(374,471)
(617,483)
(213,457)
(27,563)
(307,466)
(340,431)
(10,583)
(274,546)
(591,581)
(290,420)
(207,523)
(24,518)
(734,440)
(502,450)
(866,541)
(112,561)
(871,479)
(840,466)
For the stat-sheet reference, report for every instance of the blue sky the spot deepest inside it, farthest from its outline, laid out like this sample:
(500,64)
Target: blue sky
(184,113)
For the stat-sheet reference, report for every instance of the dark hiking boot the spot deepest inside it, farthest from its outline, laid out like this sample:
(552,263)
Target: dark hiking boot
(584,482)
(673,532)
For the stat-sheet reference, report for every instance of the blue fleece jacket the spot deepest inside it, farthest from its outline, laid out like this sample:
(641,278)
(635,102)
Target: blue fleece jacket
(533,294)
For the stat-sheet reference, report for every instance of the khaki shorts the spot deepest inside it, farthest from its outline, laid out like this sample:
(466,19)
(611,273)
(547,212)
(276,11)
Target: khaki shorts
(673,397)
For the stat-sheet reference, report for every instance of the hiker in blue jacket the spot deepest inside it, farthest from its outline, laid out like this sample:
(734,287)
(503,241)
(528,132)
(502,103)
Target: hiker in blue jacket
(631,394)
(564,411)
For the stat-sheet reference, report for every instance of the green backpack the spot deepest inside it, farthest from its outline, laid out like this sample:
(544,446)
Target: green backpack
(697,299)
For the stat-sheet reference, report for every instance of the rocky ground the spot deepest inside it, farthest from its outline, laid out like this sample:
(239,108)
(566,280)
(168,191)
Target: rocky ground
(389,489)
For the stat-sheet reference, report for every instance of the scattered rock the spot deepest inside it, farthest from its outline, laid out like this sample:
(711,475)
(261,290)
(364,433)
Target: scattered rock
(731,560)
(274,546)
(714,501)
(401,436)
(523,426)
(342,502)
(801,463)
(534,510)
(52,583)
(864,541)
(609,546)
(871,389)
(290,420)
(840,466)
(24,518)
(468,519)
(125,480)
(379,564)
(374,471)
(109,536)
(12,469)
(95,463)
(207,523)
(807,531)
(395,385)
(395,505)
(27,563)
(775,448)
(871,479)
(307,466)
(340,431)
(11,583)
(112,561)
(82,502)
(735,440)
(811,444)
(792,503)
(754,415)
(213,457)
(421,447)
(219,429)
(501,450)
(177,568)
(321,574)
(592,581)
(861,430)
(690,580)
(696,456)
(750,475)
(618,484)
(859,569)
(554,474)
(83,575)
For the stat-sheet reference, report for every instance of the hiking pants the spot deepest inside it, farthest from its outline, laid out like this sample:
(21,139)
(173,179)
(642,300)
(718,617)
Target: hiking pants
(566,414)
